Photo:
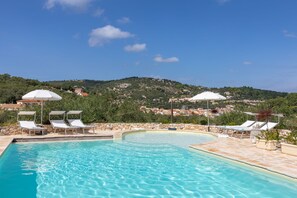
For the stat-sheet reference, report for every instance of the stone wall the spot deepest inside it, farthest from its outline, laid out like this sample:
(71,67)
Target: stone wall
(14,129)
(150,126)
(10,130)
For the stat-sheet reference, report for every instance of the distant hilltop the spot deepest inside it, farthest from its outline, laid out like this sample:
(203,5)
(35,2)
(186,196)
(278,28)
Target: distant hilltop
(150,92)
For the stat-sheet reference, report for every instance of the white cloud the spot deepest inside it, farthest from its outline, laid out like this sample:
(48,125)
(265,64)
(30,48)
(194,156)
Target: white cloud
(78,4)
(157,77)
(289,34)
(98,12)
(135,48)
(247,62)
(100,36)
(221,2)
(124,20)
(160,59)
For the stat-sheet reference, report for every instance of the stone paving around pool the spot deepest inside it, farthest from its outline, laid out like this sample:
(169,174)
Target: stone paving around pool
(4,143)
(243,150)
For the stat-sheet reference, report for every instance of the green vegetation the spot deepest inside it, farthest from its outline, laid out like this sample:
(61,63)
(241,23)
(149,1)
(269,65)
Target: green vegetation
(157,92)
(269,135)
(12,88)
(291,138)
(120,100)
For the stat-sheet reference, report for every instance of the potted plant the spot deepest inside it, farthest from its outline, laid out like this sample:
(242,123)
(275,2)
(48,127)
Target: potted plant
(268,140)
(290,144)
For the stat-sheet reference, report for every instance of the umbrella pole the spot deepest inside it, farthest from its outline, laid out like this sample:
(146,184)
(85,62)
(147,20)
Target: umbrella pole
(171,112)
(41,112)
(207,116)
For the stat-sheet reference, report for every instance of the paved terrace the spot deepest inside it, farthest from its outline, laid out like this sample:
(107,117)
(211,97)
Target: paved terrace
(246,152)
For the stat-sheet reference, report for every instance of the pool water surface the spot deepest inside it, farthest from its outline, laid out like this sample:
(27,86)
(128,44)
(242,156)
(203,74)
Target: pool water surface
(146,164)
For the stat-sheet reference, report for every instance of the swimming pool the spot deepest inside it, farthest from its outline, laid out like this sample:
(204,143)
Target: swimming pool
(142,165)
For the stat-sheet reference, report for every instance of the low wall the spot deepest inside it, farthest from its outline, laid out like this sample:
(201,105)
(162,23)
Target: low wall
(148,126)
(14,129)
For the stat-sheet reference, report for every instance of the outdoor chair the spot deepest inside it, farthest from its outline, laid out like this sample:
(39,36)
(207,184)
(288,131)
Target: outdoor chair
(78,122)
(266,127)
(245,124)
(60,124)
(29,125)
(224,129)
(256,126)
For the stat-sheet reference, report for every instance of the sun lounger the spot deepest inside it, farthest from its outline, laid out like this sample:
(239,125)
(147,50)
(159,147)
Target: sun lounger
(60,124)
(29,125)
(78,122)
(245,124)
(266,127)
(256,127)
(225,129)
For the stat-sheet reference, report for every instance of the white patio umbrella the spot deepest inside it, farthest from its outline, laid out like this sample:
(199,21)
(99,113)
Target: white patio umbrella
(42,96)
(207,95)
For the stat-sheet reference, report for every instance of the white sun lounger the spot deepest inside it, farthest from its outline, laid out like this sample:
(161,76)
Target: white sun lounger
(60,124)
(266,127)
(225,129)
(29,125)
(78,122)
(256,127)
(245,124)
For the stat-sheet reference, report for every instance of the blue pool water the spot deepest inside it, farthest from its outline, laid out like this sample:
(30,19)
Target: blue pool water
(142,165)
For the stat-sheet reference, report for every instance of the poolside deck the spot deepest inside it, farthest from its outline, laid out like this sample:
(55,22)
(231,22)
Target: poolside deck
(4,143)
(246,152)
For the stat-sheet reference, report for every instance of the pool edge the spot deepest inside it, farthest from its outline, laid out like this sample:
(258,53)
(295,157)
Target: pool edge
(248,164)
(5,141)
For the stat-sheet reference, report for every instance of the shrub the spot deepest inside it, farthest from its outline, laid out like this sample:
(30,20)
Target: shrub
(291,138)
(203,122)
(269,135)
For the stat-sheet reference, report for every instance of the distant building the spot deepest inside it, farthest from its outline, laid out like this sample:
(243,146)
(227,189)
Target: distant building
(11,107)
(27,102)
(188,112)
(80,91)
(124,85)
(84,94)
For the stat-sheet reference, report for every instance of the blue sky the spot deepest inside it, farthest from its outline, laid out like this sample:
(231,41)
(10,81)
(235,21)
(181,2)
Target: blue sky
(212,43)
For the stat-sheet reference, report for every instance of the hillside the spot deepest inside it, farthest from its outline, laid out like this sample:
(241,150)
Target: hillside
(146,91)
(119,100)
(156,92)
(12,88)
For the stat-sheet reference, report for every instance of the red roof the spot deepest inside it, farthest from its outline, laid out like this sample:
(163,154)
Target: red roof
(10,106)
(28,101)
